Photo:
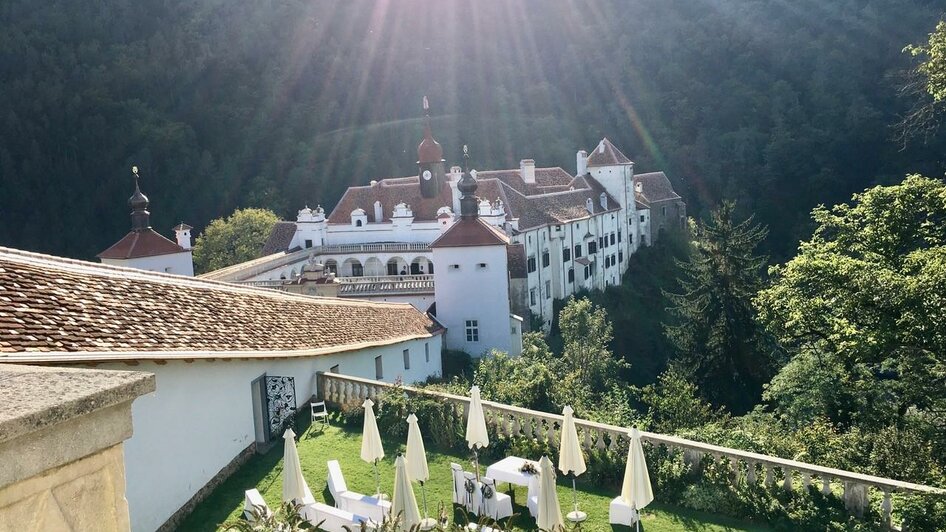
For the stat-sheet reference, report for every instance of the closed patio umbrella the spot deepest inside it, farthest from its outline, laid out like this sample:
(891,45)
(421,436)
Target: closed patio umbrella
(549,516)
(294,487)
(476,436)
(570,458)
(636,489)
(417,463)
(371,449)
(403,503)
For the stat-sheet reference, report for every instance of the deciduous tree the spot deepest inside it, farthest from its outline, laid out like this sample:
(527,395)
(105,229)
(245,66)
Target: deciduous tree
(234,239)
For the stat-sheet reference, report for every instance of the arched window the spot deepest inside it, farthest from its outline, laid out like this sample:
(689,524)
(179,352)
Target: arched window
(357,223)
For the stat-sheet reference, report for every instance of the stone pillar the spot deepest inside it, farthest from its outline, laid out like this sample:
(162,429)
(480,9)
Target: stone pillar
(61,434)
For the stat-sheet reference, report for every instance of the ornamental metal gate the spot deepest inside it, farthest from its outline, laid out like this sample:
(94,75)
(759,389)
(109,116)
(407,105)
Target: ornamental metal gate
(280,403)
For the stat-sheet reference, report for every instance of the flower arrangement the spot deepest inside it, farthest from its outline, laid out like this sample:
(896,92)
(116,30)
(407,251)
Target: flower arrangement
(529,468)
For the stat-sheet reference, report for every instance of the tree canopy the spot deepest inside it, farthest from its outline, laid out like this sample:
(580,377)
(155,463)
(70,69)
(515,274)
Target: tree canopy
(234,239)
(863,308)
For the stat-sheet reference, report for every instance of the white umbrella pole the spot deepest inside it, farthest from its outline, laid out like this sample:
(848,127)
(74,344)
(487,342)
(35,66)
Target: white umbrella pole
(574,494)
(377,477)
(423,490)
(476,462)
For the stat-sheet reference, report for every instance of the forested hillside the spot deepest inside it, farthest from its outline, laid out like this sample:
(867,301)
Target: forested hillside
(274,103)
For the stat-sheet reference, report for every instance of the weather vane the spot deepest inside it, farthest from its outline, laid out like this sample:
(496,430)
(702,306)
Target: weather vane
(134,170)
(426,105)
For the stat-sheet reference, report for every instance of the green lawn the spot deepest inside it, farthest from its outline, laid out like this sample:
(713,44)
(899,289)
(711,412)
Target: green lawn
(316,446)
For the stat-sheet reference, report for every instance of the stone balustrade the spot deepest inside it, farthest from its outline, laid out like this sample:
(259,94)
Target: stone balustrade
(749,467)
(385,278)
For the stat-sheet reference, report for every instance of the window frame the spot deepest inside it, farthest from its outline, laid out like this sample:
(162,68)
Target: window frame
(472,330)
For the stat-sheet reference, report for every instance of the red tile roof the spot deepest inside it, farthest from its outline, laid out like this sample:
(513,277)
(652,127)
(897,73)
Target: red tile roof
(55,310)
(137,244)
(606,154)
(467,232)
(390,192)
(279,238)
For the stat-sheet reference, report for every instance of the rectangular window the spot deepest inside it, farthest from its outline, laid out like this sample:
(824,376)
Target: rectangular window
(663,210)
(592,248)
(427,352)
(472,331)
(607,262)
(334,369)
(545,259)
(630,238)
(392,268)
(548,290)
(455,267)
(612,239)
(619,236)
(481,266)
(602,243)
(566,255)
(378,368)
(642,218)
(308,243)
(357,270)
(407,359)
(531,264)
(532,296)
(571,275)
(577,251)
(587,272)
(620,256)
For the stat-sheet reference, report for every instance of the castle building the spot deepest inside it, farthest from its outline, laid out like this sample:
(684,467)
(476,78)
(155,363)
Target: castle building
(145,249)
(566,233)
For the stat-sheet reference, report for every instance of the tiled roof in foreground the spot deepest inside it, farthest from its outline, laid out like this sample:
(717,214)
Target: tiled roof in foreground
(54,309)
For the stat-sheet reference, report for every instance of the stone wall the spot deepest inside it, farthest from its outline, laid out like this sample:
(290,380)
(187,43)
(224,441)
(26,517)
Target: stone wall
(61,434)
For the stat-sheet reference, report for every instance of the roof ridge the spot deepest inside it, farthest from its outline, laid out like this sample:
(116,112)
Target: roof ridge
(108,270)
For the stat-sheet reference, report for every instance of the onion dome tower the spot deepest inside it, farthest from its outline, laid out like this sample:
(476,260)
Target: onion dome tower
(140,217)
(469,203)
(430,160)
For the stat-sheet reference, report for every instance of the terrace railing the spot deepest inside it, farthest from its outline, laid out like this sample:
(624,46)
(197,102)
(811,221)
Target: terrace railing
(745,466)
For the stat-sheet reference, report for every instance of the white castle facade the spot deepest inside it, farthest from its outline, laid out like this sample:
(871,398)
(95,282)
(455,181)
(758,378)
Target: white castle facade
(563,232)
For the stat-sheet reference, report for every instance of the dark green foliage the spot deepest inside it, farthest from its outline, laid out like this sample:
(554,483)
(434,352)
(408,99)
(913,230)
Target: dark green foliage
(718,344)
(238,103)
(456,364)
(232,240)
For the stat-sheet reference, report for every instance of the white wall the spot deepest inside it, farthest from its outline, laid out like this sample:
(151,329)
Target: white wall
(421,302)
(201,417)
(177,263)
(426,231)
(473,293)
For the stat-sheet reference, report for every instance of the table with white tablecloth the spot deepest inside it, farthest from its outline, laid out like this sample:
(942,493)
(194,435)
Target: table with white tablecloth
(509,470)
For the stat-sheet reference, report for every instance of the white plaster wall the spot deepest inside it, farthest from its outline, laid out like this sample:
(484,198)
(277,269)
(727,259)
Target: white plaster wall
(426,231)
(177,263)
(471,293)
(201,416)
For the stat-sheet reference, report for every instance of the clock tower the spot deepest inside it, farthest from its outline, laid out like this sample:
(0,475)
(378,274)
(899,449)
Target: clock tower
(430,160)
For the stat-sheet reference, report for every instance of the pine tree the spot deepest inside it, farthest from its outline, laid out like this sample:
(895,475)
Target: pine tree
(718,344)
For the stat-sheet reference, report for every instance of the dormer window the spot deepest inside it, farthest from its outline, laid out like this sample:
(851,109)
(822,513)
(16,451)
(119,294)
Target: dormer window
(590,205)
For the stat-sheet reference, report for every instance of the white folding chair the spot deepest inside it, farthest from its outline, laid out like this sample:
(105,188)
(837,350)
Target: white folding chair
(319,411)
(474,500)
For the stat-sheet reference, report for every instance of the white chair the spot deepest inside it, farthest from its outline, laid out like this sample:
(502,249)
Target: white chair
(622,513)
(472,501)
(319,411)
(459,494)
(254,505)
(356,503)
(532,495)
(333,519)
(498,505)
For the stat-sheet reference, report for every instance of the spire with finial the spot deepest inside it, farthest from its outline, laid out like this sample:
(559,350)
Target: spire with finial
(469,204)
(140,217)
(429,150)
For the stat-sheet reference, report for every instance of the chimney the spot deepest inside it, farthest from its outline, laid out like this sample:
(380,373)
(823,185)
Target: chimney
(183,233)
(527,170)
(582,163)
